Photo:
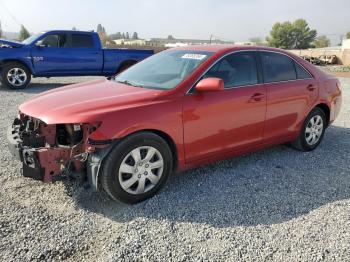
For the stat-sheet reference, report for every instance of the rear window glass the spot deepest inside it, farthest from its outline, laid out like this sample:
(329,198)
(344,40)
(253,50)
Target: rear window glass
(82,40)
(301,72)
(277,67)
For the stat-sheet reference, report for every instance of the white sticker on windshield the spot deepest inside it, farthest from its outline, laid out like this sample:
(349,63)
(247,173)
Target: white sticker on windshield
(194,56)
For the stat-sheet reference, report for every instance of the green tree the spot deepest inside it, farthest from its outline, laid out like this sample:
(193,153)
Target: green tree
(23,33)
(127,36)
(170,37)
(347,36)
(104,38)
(0,30)
(135,35)
(322,41)
(99,28)
(296,35)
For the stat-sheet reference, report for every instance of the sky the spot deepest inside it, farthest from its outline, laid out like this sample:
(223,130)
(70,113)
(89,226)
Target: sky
(226,19)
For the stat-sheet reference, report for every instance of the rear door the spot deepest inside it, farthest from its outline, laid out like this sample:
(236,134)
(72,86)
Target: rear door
(223,121)
(291,91)
(86,54)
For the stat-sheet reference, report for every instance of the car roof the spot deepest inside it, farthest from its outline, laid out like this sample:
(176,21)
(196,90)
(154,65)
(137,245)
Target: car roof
(68,31)
(227,48)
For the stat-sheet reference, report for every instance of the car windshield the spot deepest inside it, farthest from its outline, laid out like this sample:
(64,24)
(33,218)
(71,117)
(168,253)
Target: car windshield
(164,70)
(31,39)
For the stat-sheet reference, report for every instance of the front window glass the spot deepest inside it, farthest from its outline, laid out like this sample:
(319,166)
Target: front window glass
(164,70)
(57,40)
(50,41)
(238,69)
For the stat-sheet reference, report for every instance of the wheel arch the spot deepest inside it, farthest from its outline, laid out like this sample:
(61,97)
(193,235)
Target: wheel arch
(325,108)
(167,138)
(94,174)
(27,65)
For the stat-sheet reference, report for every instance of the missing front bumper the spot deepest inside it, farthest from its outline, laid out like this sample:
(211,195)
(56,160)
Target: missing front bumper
(42,159)
(31,165)
(38,147)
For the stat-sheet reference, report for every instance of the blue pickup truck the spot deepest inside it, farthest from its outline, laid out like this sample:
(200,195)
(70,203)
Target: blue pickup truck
(62,53)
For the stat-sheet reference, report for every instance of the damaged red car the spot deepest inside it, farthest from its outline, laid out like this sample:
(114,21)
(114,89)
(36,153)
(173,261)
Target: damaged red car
(176,110)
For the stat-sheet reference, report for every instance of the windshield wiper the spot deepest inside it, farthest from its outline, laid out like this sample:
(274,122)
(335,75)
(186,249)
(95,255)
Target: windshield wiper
(130,83)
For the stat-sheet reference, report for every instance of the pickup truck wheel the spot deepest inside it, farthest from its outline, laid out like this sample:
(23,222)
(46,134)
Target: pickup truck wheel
(136,168)
(15,76)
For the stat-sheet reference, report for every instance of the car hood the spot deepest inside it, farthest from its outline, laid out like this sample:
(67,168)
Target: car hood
(86,102)
(10,43)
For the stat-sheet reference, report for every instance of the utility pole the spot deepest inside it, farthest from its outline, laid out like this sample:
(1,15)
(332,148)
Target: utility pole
(211,37)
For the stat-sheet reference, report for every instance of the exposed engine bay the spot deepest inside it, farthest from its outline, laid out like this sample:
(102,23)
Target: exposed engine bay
(49,152)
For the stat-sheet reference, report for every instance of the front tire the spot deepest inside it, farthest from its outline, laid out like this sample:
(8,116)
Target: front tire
(136,168)
(15,76)
(312,131)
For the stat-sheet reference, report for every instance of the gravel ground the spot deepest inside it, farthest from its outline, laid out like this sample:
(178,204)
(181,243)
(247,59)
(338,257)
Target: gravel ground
(274,205)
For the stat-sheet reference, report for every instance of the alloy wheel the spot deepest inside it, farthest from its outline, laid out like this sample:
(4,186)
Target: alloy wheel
(16,76)
(141,170)
(314,130)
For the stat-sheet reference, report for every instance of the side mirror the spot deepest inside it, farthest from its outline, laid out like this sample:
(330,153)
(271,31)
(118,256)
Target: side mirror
(40,43)
(210,84)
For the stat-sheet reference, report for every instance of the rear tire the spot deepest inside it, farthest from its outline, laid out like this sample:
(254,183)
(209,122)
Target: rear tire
(136,168)
(15,76)
(312,131)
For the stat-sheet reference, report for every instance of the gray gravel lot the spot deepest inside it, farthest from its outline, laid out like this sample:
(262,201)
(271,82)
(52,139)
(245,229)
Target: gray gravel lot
(275,205)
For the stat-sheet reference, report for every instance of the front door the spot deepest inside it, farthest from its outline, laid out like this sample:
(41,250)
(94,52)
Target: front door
(67,54)
(222,121)
(49,57)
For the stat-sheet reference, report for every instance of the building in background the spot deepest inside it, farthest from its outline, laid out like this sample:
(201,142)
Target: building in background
(130,42)
(346,44)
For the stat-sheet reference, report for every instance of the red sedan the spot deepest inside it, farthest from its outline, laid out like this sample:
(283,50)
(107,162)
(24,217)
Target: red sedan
(178,109)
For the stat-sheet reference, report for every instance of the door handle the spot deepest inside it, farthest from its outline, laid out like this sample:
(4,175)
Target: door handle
(256,97)
(311,87)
